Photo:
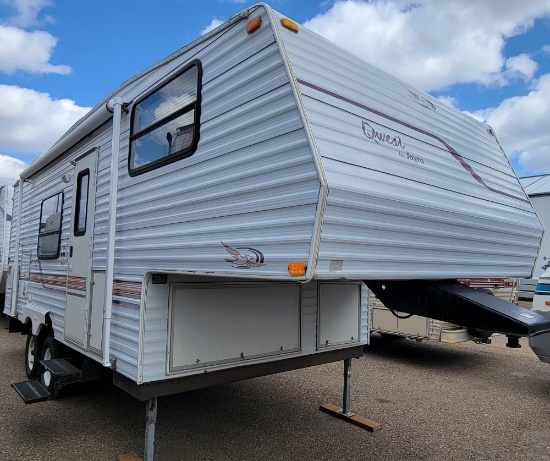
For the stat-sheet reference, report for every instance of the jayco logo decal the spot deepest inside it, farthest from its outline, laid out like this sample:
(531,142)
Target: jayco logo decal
(244,257)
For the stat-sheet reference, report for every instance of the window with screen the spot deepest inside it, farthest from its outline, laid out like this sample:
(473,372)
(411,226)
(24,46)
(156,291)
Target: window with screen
(81,206)
(49,232)
(165,123)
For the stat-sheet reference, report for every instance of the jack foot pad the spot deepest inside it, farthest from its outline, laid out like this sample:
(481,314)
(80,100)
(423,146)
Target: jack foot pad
(358,420)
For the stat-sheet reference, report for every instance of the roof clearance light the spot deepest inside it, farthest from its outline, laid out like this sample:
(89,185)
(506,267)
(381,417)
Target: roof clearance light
(290,25)
(253,25)
(297,268)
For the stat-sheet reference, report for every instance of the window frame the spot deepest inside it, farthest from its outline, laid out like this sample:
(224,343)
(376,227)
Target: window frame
(77,210)
(59,231)
(196,106)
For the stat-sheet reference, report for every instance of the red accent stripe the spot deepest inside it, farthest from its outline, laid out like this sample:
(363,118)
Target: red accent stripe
(451,150)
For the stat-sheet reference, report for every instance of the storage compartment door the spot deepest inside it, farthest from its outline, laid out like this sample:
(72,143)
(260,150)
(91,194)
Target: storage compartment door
(339,314)
(228,323)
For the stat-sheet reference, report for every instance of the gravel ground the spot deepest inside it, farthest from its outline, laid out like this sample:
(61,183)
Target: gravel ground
(434,401)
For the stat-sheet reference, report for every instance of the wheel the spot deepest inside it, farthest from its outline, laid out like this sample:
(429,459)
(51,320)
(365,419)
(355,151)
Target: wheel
(479,333)
(32,352)
(51,349)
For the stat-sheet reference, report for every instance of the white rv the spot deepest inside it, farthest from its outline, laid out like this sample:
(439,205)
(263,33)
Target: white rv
(220,215)
(538,189)
(540,344)
(6,197)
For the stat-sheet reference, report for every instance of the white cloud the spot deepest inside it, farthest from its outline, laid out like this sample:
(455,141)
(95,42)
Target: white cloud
(449,101)
(28,51)
(546,49)
(213,24)
(31,121)
(521,124)
(430,46)
(27,11)
(9,169)
(521,66)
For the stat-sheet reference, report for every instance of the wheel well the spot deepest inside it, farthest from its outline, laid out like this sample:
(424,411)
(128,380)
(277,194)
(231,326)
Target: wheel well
(45,330)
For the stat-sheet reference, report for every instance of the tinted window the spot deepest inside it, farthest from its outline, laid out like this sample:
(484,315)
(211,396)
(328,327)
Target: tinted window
(49,232)
(81,208)
(165,124)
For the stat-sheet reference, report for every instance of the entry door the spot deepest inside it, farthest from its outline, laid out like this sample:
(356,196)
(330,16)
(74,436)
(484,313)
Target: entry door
(79,286)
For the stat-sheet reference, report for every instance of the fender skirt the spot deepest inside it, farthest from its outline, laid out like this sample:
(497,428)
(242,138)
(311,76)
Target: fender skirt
(451,301)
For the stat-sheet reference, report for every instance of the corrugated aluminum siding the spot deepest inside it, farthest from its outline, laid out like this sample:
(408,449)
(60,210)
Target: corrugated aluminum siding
(156,314)
(536,185)
(46,285)
(416,189)
(6,202)
(10,251)
(251,183)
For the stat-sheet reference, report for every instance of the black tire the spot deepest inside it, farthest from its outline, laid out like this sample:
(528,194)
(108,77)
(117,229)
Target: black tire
(33,348)
(479,333)
(51,349)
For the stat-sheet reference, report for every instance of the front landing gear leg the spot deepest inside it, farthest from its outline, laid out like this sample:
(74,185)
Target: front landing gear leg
(150,429)
(345,413)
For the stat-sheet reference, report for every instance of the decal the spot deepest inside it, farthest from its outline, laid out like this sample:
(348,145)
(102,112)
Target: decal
(244,257)
(373,133)
(380,136)
(451,150)
(423,101)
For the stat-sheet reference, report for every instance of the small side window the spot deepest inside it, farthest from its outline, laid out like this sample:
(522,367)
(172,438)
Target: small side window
(165,123)
(49,232)
(81,206)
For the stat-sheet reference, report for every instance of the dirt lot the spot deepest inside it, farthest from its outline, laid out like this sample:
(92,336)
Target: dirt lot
(435,402)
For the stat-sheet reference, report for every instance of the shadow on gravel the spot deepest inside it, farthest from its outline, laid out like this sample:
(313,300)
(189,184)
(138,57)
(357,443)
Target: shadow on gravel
(423,354)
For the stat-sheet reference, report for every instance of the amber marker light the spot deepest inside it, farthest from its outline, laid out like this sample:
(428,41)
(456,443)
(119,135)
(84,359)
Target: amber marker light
(253,25)
(547,303)
(290,25)
(297,268)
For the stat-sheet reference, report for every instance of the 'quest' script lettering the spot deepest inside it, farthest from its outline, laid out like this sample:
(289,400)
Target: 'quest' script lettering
(380,136)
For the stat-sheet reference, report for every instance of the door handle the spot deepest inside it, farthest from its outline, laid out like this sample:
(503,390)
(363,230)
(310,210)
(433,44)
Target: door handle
(71,251)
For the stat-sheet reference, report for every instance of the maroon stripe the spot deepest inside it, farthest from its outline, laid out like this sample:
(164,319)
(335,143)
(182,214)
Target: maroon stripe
(451,150)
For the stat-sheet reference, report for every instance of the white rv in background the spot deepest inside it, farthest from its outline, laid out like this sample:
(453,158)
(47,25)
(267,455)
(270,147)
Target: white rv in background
(538,189)
(6,198)
(391,324)
(220,215)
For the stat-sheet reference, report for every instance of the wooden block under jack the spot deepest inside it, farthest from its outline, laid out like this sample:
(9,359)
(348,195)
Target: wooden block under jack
(358,420)
(128,456)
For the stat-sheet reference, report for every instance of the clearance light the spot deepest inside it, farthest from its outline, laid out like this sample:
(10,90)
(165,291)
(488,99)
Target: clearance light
(254,25)
(296,268)
(547,303)
(290,25)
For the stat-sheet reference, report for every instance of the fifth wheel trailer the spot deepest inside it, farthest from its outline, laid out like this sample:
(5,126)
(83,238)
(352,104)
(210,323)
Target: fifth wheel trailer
(6,198)
(221,214)
(538,189)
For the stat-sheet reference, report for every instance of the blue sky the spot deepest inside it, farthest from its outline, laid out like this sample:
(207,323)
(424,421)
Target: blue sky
(488,58)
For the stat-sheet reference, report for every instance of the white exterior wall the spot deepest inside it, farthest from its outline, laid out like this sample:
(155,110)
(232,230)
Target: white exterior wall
(10,248)
(542,205)
(251,183)
(156,342)
(6,203)
(433,197)
(538,190)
